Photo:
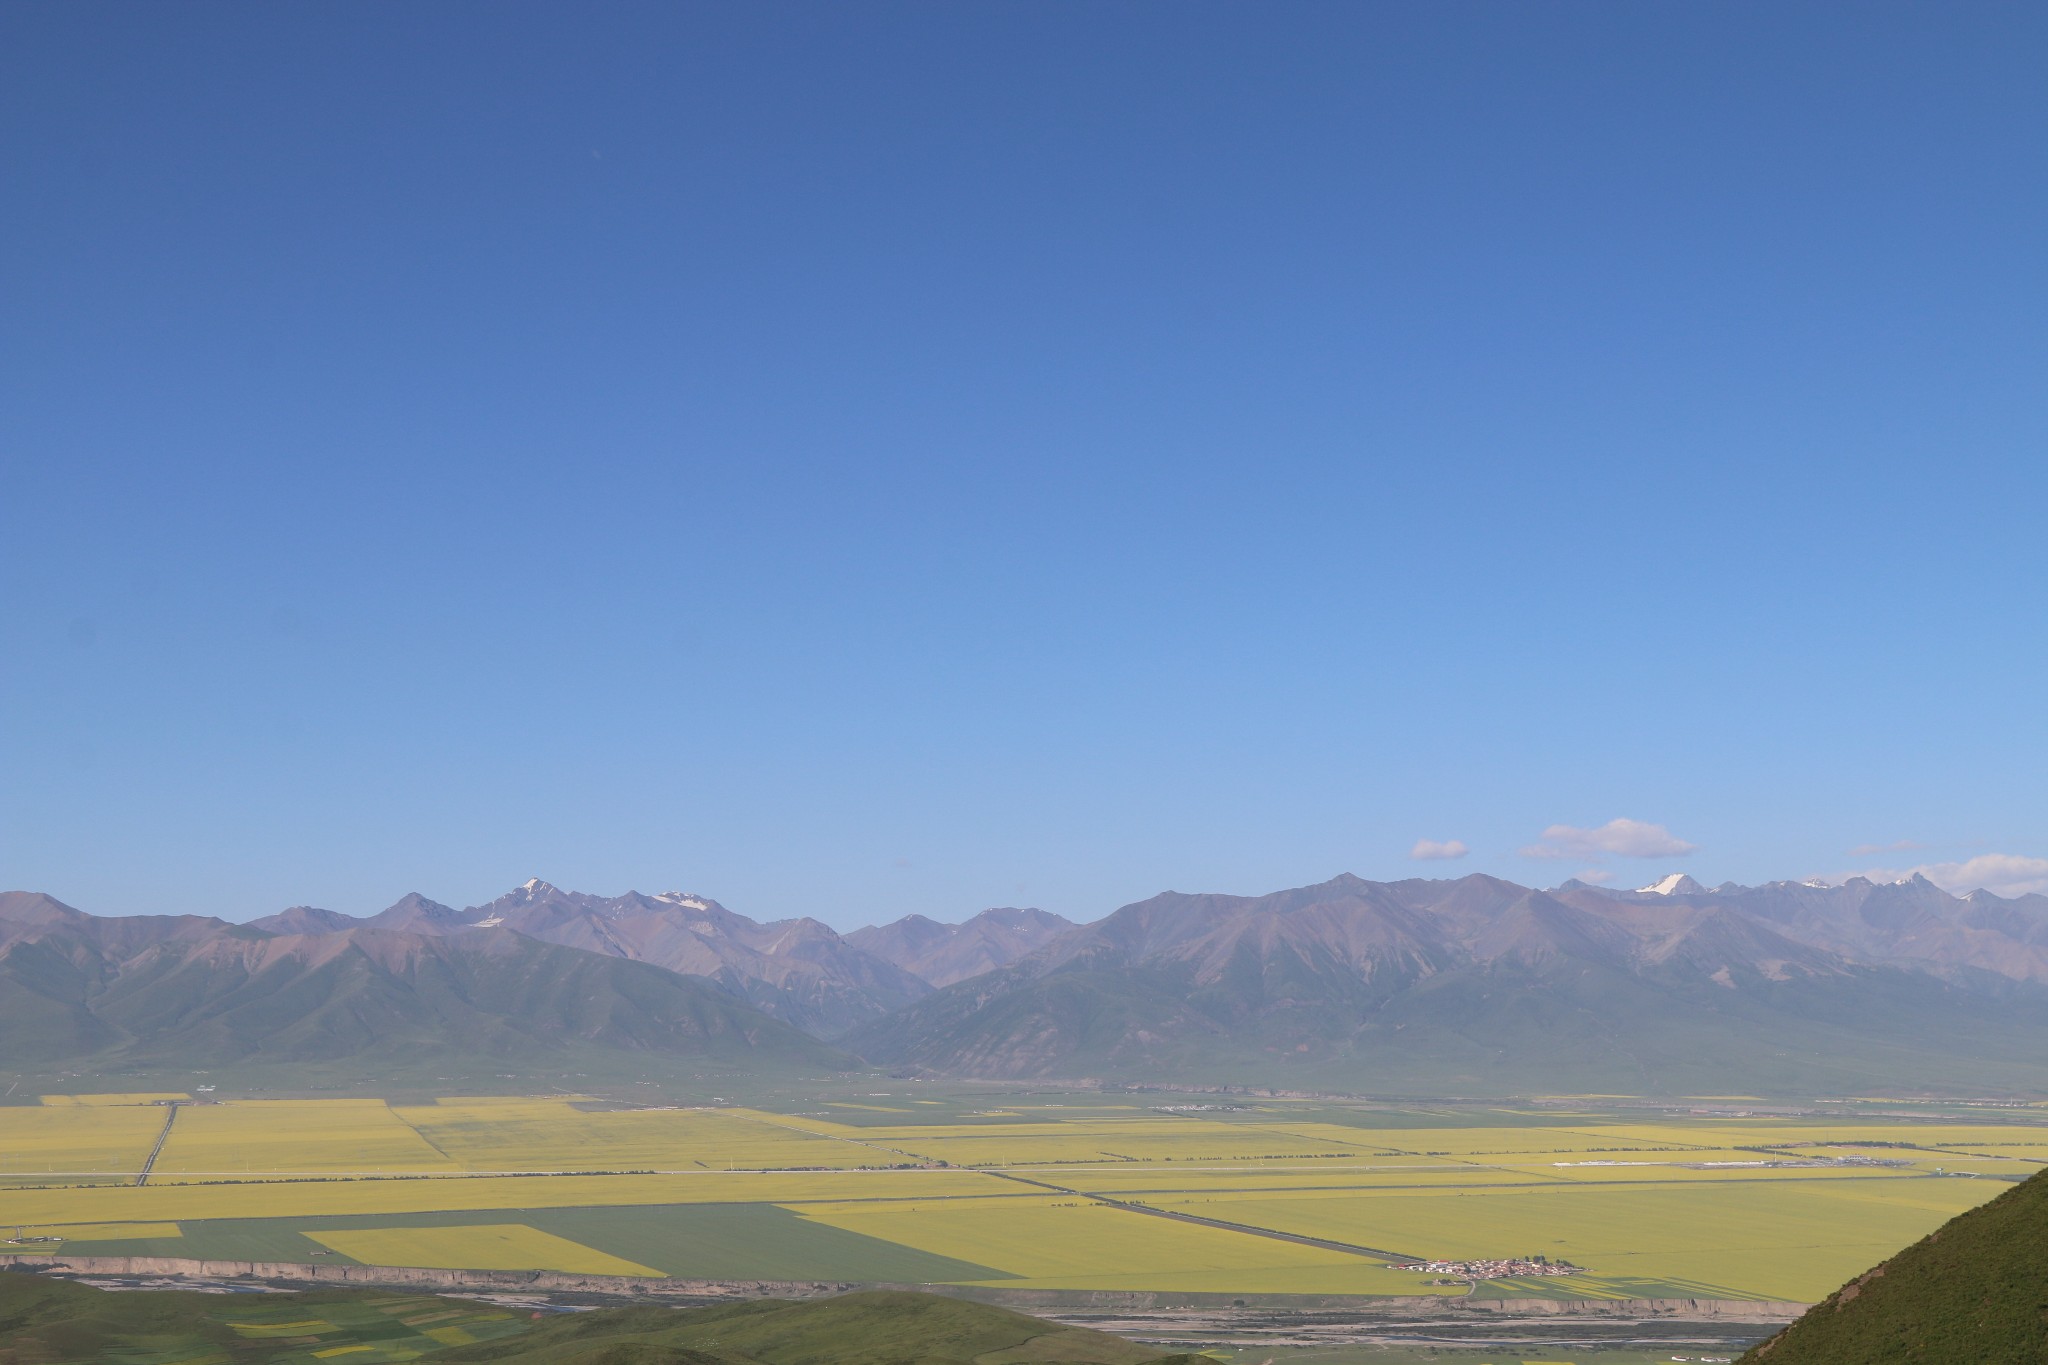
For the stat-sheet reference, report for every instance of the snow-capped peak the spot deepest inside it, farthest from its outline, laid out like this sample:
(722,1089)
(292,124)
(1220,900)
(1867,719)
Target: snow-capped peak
(534,886)
(1677,884)
(687,902)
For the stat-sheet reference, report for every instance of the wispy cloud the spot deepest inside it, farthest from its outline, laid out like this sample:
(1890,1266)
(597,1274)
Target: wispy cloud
(1431,850)
(2002,874)
(1598,876)
(1623,838)
(1895,846)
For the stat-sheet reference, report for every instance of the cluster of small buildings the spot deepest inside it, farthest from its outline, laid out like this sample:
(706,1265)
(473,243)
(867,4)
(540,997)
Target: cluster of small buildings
(1491,1270)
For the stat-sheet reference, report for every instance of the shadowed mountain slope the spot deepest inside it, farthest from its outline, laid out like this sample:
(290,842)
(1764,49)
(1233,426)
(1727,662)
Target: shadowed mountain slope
(152,991)
(1468,986)
(1972,1292)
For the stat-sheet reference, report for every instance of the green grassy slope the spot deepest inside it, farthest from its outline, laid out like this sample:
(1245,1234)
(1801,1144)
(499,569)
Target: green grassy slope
(387,1002)
(1562,1027)
(853,1329)
(1973,1292)
(45,1321)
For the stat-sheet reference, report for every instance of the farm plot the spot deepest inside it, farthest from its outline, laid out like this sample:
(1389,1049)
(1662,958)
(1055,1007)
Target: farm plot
(482,1246)
(81,1144)
(1201,1177)
(1054,1243)
(280,1199)
(1507,1141)
(1783,1240)
(753,1241)
(1127,1140)
(555,1136)
(256,1139)
(1716,1207)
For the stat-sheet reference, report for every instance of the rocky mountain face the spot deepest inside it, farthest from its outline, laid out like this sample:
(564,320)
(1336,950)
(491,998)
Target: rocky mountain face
(1480,984)
(189,991)
(942,954)
(797,970)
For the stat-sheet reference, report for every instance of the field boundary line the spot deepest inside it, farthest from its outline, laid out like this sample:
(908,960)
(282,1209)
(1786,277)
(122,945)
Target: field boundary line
(1299,1239)
(149,1162)
(445,1156)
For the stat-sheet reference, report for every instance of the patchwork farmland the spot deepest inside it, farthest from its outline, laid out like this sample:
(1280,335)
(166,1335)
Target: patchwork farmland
(1038,1191)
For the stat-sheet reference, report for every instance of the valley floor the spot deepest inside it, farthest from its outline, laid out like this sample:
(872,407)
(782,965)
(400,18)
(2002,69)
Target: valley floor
(1011,1189)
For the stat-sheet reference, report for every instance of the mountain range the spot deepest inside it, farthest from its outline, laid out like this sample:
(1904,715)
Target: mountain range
(1481,986)
(189,991)
(1470,986)
(797,970)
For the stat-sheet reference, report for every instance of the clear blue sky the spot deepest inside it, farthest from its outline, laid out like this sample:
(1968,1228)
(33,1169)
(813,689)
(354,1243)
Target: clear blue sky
(861,459)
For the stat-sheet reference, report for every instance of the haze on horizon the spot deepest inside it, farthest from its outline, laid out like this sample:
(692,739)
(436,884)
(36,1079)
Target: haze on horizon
(854,462)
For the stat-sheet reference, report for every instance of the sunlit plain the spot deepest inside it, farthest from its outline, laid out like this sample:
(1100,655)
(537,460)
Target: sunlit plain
(1272,1200)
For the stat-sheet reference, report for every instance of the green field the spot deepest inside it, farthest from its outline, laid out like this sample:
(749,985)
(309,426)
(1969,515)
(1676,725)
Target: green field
(1019,1189)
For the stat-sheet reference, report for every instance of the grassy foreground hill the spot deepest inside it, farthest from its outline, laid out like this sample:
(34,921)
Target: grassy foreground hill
(1972,1292)
(56,1322)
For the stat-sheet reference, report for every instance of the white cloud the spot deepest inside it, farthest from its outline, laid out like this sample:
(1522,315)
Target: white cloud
(1625,838)
(1429,850)
(2002,874)
(1895,846)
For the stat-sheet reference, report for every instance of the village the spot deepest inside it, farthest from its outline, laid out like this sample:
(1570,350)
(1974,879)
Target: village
(1491,1270)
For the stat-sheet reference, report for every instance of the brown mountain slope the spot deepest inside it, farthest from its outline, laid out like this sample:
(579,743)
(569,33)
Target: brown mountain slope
(798,970)
(1470,986)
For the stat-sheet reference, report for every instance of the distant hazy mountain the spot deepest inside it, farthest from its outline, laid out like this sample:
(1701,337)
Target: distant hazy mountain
(1480,985)
(305,919)
(944,953)
(1972,1292)
(1912,923)
(189,991)
(798,970)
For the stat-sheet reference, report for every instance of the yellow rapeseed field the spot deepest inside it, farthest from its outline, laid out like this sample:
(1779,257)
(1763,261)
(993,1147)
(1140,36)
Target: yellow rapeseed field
(551,1135)
(252,1138)
(1640,1203)
(1054,1243)
(38,1142)
(294,1199)
(1725,1239)
(1138,1139)
(484,1246)
(1200,1177)
(1513,1141)
(74,1232)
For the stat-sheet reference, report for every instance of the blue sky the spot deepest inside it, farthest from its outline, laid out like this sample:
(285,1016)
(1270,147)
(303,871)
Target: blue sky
(854,460)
